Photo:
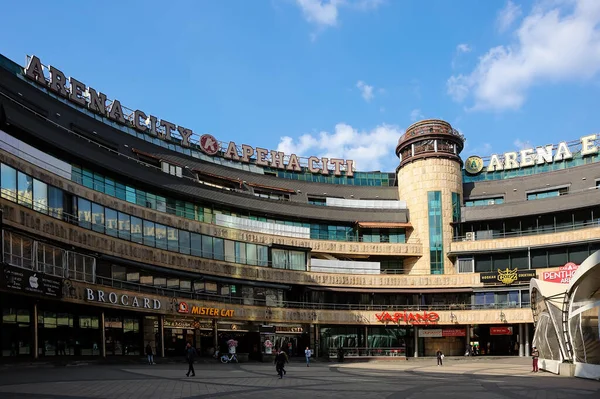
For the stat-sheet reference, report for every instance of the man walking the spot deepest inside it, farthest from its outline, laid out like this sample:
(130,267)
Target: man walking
(535,354)
(190,354)
(440,357)
(280,361)
(308,354)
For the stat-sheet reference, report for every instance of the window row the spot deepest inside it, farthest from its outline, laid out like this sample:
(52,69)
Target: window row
(548,193)
(485,201)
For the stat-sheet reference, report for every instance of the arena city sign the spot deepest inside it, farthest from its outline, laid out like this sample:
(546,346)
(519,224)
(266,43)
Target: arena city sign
(85,96)
(530,157)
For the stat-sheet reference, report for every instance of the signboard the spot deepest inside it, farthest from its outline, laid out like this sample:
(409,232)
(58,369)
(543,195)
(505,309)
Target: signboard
(124,300)
(530,157)
(30,281)
(85,96)
(501,331)
(408,318)
(441,332)
(507,276)
(563,275)
(183,307)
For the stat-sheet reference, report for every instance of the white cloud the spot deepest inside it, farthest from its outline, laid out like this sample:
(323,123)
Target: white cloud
(325,13)
(463,48)
(558,42)
(370,150)
(509,14)
(415,115)
(366,90)
(522,145)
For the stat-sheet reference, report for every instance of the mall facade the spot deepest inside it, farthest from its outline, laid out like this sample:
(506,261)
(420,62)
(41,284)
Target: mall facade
(122,229)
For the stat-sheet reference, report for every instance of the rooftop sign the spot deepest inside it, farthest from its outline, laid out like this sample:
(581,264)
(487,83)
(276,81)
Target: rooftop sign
(97,102)
(530,157)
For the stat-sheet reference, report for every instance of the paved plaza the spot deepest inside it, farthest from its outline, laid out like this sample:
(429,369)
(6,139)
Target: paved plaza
(415,379)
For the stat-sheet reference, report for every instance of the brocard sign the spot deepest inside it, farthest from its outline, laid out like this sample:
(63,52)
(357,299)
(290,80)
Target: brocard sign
(530,157)
(85,96)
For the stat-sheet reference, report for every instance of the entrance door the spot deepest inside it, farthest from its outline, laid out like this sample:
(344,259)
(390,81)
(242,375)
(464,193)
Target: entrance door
(113,330)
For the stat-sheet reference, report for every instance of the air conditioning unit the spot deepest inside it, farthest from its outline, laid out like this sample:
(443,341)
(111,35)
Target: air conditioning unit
(470,236)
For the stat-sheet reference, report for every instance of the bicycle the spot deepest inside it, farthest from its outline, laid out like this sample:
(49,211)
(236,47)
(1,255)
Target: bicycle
(229,358)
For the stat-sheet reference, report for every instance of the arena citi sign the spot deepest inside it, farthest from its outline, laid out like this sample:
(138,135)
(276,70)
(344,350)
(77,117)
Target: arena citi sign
(531,157)
(86,96)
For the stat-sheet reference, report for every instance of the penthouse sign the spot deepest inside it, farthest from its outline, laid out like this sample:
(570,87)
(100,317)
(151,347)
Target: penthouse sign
(85,96)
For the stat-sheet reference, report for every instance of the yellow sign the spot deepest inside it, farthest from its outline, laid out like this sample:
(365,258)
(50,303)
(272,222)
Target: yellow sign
(508,276)
(216,312)
(474,165)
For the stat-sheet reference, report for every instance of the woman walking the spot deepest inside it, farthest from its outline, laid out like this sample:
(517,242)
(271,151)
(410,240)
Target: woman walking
(308,354)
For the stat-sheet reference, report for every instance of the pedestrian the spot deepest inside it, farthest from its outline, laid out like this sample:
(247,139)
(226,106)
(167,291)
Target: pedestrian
(190,355)
(280,360)
(440,357)
(535,354)
(308,354)
(150,354)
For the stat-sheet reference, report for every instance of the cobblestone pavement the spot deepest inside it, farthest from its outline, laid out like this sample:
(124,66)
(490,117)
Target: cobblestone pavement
(413,379)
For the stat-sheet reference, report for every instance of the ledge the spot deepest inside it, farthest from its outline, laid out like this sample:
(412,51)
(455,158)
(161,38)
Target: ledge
(321,246)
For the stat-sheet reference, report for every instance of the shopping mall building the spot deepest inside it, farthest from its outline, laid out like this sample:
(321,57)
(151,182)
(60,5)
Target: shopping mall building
(121,229)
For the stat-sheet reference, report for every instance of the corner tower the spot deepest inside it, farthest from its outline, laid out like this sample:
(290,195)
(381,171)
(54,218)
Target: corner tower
(430,181)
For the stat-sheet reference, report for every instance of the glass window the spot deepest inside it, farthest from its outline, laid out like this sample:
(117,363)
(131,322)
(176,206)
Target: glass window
(184,242)
(124,226)
(130,194)
(136,230)
(218,249)
(519,260)
(578,254)
(111,222)
(196,244)
(84,213)
(435,232)
(161,236)
(539,258)
(483,263)
(55,202)
(97,218)
(557,257)
(229,251)
(240,252)
(40,196)
(149,233)
(500,261)
(172,239)
(25,189)
(251,255)
(263,255)
(207,249)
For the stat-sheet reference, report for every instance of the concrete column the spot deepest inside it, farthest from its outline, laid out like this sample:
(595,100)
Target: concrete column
(102,335)
(526,337)
(416,341)
(366,336)
(35,331)
(161,332)
(317,340)
(467,337)
(521,341)
(216,333)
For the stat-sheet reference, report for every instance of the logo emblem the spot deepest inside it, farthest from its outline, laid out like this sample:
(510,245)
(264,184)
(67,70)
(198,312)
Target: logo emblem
(474,165)
(183,308)
(508,276)
(33,281)
(209,144)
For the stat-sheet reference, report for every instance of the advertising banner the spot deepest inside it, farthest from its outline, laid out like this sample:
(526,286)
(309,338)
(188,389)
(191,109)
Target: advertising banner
(563,275)
(428,333)
(30,281)
(441,332)
(501,331)
(507,276)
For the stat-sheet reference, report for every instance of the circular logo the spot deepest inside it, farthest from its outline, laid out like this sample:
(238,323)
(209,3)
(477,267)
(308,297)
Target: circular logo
(474,165)
(209,144)
(183,307)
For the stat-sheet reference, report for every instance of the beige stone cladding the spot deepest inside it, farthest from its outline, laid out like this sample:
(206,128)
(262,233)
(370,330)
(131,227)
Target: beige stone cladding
(415,180)
(539,240)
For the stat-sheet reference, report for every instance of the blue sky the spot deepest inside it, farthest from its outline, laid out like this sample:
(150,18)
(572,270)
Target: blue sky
(341,78)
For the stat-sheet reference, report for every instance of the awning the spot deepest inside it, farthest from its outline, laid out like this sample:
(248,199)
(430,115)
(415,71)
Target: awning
(217,177)
(384,225)
(393,290)
(280,189)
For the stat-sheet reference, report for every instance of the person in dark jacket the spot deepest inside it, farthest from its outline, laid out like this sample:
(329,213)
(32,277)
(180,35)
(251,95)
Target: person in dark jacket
(150,354)
(440,357)
(280,360)
(190,355)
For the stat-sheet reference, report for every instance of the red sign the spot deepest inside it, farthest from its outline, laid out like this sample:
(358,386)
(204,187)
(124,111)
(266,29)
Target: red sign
(563,275)
(408,318)
(183,308)
(501,331)
(209,144)
(453,332)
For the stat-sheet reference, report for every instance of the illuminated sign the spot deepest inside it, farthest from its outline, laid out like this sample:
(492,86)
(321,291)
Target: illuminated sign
(439,332)
(408,318)
(501,331)
(530,157)
(216,312)
(85,96)
(563,275)
(507,276)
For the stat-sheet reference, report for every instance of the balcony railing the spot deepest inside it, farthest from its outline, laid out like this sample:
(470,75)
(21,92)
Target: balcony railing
(524,233)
